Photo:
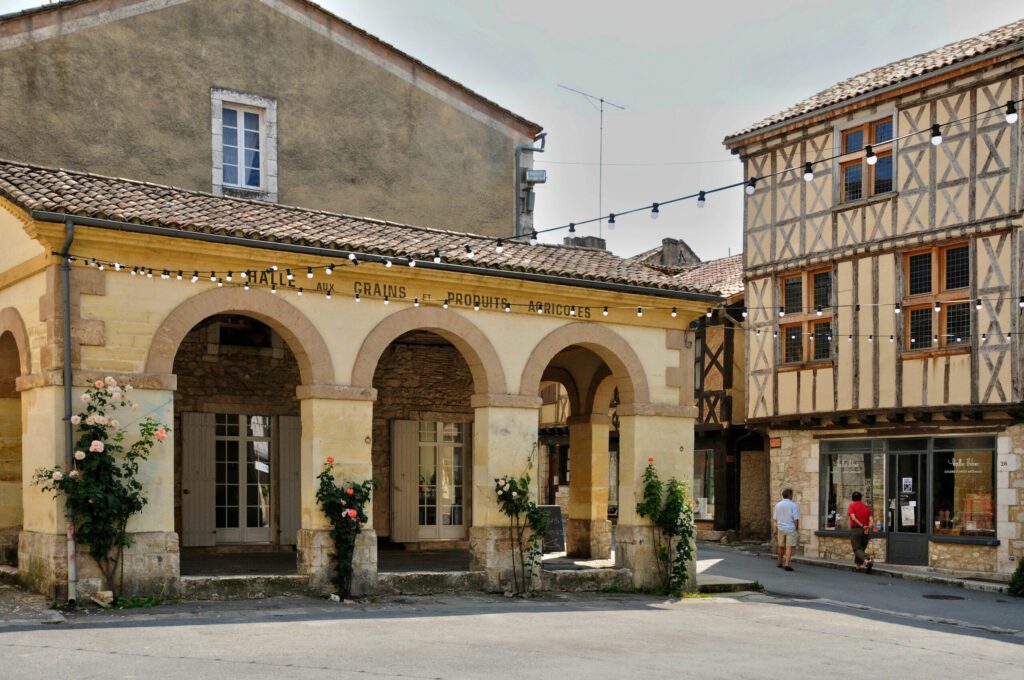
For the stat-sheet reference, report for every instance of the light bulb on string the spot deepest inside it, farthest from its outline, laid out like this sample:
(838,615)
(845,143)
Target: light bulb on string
(476,306)
(808,171)
(359,298)
(639,311)
(897,309)
(869,155)
(415,302)
(273,267)
(213,276)
(437,256)
(230,277)
(245,286)
(709,313)
(533,237)
(674,313)
(149,273)
(329,269)
(288,275)
(300,292)
(328,294)
(751,186)
(195,276)
(508,308)
(936,134)
(135,272)
(220,283)
(572,227)
(309,272)
(117,266)
(572,310)
(469,252)
(445,303)
(655,213)
(1011,112)
(744,313)
(410,260)
(701,199)
(938,307)
(387,300)
(387,263)
(244,273)
(604,312)
(499,247)
(611,220)
(165,275)
(540,309)
(977,304)
(180,275)
(273,288)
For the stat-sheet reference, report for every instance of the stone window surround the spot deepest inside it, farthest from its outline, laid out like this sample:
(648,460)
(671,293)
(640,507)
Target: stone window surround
(268,142)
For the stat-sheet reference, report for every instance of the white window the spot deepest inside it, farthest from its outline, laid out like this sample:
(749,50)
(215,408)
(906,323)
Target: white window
(244,136)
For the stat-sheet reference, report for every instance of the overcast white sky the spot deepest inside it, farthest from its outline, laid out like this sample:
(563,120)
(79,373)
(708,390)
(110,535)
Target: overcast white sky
(688,73)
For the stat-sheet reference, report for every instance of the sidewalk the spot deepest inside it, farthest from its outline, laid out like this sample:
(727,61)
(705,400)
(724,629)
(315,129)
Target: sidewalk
(22,608)
(909,573)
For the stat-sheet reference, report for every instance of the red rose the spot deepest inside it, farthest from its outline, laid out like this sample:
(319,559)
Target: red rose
(330,459)
(650,460)
(352,514)
(349,491)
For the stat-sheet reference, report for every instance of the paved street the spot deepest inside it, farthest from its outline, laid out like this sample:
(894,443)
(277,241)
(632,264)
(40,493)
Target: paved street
(801,632)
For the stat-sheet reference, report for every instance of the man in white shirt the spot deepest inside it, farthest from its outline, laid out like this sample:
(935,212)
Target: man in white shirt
(786,519)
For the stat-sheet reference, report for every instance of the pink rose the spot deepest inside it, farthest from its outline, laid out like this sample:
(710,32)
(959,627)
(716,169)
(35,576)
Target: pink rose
(57,475)
(160,434)
(73,474)
(98,384)
(135,407)
(349,491)
(90,419)
(128,388)
(352,513)
(75,420)
(114,424)
(110,381)
(96,446)
(79,455)
(85,398)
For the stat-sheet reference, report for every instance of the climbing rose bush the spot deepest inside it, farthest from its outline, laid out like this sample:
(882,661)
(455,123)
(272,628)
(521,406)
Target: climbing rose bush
(101,490)
(345,508)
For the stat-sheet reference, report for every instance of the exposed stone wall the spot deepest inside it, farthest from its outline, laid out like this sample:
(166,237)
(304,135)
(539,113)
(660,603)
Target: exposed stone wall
(795,465)
(962,559)
(839,548)
(1010,499)
(215,378)
(755,508)
(414,382)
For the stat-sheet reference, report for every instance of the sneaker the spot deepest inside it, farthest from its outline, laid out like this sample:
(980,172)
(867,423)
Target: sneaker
(788,568)
(870,564)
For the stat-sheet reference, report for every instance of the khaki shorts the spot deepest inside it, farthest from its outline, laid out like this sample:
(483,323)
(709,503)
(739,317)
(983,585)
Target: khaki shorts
(787,539)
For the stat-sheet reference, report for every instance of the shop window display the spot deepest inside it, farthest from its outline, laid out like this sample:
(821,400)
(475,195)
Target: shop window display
(963,492)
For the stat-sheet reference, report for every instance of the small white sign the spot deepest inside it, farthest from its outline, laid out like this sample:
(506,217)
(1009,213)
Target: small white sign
(908,485)
(261,467)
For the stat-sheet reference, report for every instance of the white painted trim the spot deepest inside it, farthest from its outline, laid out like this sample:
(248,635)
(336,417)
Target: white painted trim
(267,107)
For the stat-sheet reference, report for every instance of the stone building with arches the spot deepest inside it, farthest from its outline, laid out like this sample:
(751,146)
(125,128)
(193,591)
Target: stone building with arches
(273,337)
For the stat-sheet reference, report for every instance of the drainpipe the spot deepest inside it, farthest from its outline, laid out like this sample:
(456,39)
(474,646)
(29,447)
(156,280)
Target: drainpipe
(520,148)
(65,275)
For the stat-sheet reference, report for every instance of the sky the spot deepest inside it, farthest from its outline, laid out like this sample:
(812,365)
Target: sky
(688,74)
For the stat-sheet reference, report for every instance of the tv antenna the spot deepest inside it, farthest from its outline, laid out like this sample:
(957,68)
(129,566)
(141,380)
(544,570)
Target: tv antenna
(598,104)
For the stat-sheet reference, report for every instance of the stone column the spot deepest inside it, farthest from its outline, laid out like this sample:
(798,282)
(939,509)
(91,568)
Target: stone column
(151,563)
(664,433)
(10,478)
(337,422)
(588,532)
(504,443)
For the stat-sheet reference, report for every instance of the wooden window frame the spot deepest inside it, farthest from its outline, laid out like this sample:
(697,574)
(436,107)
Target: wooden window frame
(880,150)
(806,320)
(939,294)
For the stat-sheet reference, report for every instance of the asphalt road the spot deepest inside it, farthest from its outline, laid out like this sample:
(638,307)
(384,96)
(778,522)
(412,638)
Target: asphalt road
(956,606)
(478,636)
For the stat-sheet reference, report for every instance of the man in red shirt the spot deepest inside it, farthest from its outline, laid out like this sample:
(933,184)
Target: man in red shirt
(860,524)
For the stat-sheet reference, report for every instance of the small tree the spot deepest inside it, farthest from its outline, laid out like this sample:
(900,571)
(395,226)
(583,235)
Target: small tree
(523,514)
(671,514)
(1016,586)
(345,508)
(101,490)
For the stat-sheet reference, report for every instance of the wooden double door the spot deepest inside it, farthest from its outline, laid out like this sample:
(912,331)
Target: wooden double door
(430,463)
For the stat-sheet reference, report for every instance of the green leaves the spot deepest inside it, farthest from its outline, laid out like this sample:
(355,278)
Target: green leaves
(671,513)
(101,490)
(345,508)
(514,501)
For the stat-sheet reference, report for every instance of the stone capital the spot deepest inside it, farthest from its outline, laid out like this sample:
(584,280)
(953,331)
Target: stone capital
(339,392)
(505,401)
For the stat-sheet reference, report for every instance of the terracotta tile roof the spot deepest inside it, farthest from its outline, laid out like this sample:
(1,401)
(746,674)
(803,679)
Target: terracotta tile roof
(896,72)
(724,275)
(530,126)
(83,194)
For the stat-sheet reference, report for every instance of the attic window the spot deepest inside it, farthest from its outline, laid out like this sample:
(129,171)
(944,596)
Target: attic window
(244,140)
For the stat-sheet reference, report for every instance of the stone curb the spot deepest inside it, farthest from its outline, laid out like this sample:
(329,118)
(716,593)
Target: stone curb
(938,579)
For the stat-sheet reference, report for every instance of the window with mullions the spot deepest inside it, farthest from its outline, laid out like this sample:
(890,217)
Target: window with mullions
(823,289)
(822,340)
(793,344)
(921,328)
(958,324)
(859,178)
(794,294)
(958,267)
(938,313)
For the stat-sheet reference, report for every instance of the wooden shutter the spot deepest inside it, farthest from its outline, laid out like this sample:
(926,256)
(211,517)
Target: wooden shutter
(289,459)
(405,488)
(197,479)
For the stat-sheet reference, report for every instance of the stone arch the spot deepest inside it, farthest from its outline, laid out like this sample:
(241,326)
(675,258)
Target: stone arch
(476,349)
(560,375)
(625,365)
(11,322)
(305,342)
(600,393)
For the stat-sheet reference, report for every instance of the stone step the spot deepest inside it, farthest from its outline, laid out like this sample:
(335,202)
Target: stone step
(242,587)
(587,580)
(707,583)
(430,582)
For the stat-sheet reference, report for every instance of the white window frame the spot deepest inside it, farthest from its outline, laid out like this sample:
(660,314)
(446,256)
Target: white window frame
(267,110)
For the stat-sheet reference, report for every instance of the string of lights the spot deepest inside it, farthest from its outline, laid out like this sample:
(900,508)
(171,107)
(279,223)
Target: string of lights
(1009,111)
(284,279)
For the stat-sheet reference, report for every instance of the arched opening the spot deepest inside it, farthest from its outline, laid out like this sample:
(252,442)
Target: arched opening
(11,473)
(422,453)
(578,462)
(237,449)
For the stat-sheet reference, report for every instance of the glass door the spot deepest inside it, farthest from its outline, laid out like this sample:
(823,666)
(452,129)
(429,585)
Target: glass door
(243,479)
(442,480)
(906,514)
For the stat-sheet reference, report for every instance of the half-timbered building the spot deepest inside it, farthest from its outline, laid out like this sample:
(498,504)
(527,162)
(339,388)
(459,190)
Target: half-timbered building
(883,261)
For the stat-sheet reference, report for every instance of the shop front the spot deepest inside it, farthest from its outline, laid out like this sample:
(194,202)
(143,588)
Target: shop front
(946,501)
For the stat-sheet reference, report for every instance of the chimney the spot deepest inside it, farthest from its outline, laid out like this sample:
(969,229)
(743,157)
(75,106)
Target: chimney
(586,242)
(675,253)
